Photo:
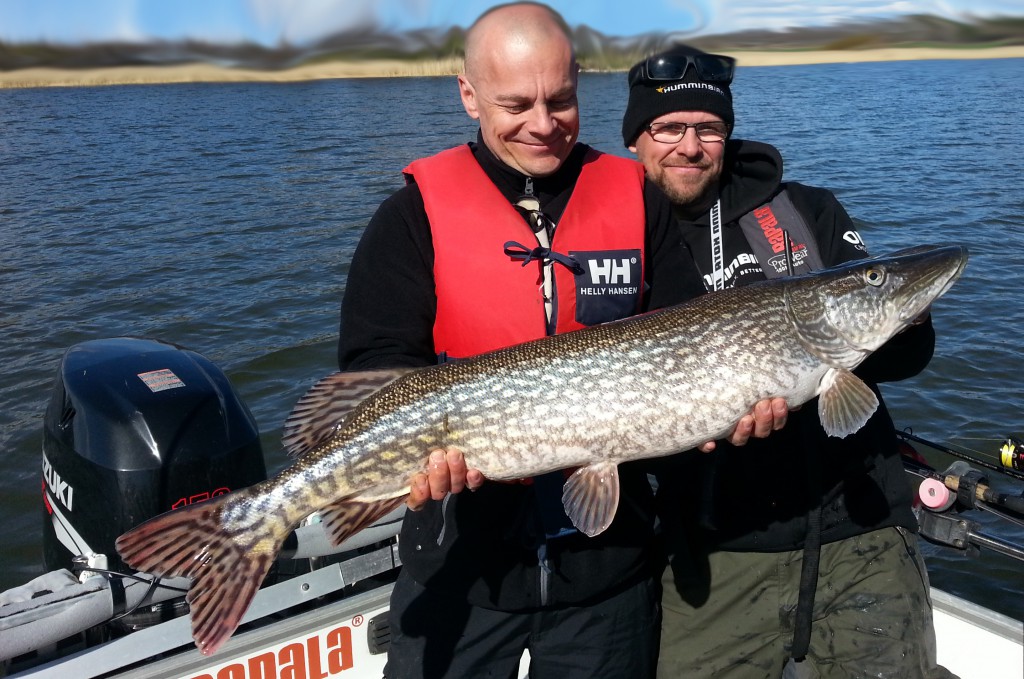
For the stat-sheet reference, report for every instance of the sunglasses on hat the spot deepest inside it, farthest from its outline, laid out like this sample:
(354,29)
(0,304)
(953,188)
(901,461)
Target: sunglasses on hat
(710,68)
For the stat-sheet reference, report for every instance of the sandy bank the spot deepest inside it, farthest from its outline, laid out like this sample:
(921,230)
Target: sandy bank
(764,58)
(138,75)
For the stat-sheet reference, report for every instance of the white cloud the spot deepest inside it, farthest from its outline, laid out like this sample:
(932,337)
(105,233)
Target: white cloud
(702,11)
(736,15)
(300,21)
(967,8)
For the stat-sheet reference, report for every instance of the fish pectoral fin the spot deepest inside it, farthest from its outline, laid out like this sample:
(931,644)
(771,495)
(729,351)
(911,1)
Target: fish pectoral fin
(318,413)
(591,496)
(845,404)
(345,518)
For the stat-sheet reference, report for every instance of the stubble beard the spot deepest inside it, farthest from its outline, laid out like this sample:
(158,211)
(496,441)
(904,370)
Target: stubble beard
(690,196)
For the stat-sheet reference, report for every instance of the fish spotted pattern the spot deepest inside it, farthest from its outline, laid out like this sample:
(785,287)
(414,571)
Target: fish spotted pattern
(643,387)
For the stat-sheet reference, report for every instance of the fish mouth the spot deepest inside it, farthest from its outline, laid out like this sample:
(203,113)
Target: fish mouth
(938,268)
(964,256)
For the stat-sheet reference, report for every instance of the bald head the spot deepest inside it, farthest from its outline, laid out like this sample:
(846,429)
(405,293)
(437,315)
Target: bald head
(514,32)
(520,82)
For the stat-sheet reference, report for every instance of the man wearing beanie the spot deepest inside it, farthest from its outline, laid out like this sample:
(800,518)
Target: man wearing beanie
(798,549)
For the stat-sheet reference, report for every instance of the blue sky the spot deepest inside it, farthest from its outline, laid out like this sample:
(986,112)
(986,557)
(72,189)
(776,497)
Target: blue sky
(270,22)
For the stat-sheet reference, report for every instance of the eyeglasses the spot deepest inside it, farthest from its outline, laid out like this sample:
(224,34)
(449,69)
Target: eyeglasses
(710,68)
(673,133)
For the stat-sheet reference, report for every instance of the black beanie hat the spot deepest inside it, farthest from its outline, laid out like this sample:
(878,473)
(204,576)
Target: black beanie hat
(649,99)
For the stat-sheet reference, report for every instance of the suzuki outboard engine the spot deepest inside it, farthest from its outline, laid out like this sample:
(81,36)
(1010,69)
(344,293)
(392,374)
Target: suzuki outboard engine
(135,428)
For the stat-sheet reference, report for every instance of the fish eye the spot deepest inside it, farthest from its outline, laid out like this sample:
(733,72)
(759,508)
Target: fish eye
(874,277)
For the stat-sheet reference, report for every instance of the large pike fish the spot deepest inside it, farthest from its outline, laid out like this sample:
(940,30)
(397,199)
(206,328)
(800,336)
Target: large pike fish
(638,388)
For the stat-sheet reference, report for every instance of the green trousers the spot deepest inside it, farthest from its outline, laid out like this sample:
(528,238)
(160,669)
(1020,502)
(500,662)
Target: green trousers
(730,615)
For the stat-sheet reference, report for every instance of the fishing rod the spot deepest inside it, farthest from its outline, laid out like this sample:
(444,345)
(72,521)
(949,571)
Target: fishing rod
(941,490)
(964,484)
(967,488)
(1011,454)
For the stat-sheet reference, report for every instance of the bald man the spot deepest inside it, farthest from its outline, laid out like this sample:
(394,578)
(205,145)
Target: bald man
(490,244)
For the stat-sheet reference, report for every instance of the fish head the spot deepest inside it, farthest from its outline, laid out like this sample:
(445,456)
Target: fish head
(848,311)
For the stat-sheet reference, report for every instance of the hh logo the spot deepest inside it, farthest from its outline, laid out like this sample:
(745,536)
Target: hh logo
(610,285)
(610,271)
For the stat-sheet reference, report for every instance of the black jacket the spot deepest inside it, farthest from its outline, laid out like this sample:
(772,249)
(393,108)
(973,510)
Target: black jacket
(486,546)
(757,497)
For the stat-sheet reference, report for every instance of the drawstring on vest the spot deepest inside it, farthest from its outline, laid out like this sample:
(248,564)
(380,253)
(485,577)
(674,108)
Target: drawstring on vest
(518,251)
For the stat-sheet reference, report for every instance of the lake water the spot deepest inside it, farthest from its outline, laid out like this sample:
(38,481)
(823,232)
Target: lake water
(223,216)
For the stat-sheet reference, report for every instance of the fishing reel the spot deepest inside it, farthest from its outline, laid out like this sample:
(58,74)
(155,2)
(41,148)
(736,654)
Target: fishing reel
(1011,454)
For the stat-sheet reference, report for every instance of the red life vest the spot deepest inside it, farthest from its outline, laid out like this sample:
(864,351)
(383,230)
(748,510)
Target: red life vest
(486,299)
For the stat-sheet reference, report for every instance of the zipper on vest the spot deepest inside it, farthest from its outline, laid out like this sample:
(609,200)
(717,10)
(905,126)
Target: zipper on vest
(547,286)
(543,230)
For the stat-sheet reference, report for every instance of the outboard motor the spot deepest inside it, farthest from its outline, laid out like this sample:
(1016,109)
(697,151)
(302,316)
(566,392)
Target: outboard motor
(135,428)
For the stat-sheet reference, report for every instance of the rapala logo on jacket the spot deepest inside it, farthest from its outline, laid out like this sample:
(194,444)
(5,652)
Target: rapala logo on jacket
(775,236)
(609,287)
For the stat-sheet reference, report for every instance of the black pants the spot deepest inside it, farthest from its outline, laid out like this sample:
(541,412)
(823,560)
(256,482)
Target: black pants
(434,637)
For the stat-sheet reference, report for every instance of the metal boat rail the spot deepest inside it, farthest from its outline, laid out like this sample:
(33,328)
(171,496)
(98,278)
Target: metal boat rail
(34,618)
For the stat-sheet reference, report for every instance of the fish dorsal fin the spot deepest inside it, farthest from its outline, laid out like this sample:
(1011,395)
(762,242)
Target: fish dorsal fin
(591,496)
(328,402)
(845,403)
(345,518)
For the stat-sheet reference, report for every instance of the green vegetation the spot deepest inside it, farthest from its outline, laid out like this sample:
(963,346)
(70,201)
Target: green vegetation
(596,51)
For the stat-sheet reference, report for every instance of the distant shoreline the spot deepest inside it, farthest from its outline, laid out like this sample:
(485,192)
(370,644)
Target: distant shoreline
(194,73)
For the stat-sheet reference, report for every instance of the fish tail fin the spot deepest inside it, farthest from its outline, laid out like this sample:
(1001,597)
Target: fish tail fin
(227,565)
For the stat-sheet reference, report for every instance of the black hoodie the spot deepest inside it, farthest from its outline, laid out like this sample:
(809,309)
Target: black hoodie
(758,497)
